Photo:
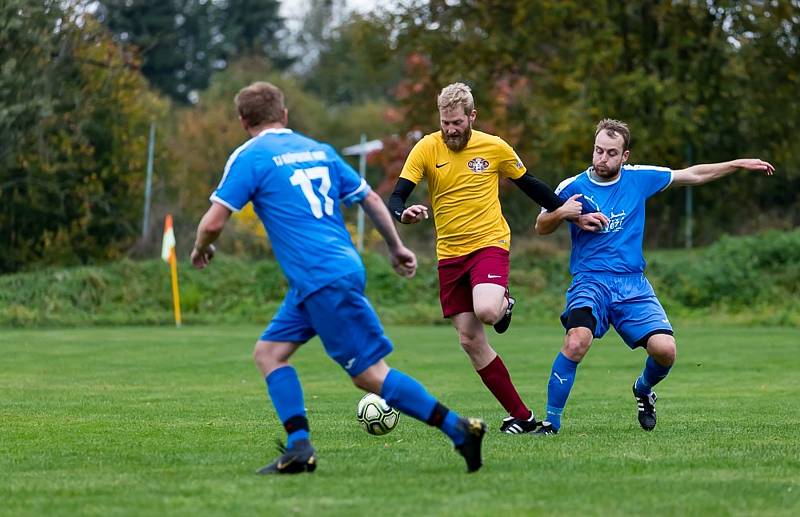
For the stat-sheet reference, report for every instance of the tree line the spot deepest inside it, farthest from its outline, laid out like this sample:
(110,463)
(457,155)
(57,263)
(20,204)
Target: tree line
(80,83)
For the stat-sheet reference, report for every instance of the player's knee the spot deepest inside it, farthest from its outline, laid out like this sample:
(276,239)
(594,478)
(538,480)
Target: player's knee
(266,357)
(663,349)
(576,345)
(487,315)
(260,354)
(470,343)
(468,336)
(672,354)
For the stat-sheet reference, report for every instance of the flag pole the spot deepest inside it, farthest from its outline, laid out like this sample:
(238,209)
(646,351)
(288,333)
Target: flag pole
(176,296)
(169,255)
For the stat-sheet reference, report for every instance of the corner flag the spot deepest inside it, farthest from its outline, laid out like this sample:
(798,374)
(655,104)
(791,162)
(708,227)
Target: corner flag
(168,255)
(168,243)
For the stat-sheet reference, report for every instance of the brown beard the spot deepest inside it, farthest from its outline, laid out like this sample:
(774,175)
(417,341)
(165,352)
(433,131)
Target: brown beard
(609,173)
(457,143)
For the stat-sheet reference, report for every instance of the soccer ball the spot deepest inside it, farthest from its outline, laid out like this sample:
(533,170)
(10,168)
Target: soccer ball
(375,415)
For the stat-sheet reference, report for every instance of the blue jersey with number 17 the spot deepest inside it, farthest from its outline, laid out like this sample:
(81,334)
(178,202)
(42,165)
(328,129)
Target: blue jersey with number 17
(617,248)
(296,185)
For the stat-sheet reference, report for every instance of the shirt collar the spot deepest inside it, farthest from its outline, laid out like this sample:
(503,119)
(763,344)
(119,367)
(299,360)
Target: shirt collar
(590,175)
(275,130)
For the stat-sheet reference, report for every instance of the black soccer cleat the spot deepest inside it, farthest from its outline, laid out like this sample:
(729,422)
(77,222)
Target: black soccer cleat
(545,429)
(647,409)
(513,425)
(504,322)
(474,428)
(300,457)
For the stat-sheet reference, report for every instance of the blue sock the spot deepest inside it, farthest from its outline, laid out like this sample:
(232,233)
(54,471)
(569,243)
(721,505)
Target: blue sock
(407,395)
(652,374)
(562,377)
(283,387)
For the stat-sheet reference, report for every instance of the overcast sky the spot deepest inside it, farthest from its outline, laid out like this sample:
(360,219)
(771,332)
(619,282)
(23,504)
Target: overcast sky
(295,9)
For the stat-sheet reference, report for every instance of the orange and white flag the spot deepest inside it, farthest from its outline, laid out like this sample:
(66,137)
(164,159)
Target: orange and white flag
(168,244)
(169,256)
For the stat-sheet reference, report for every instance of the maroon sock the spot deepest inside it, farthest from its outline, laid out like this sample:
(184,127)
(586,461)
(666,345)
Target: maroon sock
(496,377)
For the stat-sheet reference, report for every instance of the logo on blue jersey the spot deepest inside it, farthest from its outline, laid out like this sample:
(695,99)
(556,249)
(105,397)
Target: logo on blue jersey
(589,204)
(615,221)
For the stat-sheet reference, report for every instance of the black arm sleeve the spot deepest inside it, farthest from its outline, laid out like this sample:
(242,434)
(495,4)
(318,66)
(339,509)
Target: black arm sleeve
(397,201)
(539,191)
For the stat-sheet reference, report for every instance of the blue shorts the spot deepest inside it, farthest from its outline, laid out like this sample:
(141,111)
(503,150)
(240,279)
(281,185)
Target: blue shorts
(342,317)
(627,302)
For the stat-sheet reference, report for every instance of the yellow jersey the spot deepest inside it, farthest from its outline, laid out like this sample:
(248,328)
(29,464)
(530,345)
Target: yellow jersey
(464,190)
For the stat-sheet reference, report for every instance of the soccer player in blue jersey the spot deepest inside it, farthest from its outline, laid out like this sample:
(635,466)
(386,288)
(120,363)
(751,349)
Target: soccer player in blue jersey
(607,267)
(296,186)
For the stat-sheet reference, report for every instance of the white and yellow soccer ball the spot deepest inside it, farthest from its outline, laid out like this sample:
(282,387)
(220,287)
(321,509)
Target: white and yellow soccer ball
(376,416)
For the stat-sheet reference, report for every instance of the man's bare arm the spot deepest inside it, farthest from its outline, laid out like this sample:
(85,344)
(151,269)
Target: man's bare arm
(707,172)
(208,231)
(403,259)
(548,222)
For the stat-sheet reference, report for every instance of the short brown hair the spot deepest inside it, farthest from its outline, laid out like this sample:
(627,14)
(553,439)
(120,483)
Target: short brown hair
(613,128)
(456,95)
(260,103)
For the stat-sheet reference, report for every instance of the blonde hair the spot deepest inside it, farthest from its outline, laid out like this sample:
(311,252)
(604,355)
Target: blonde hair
(260,103)
(613,128)
(456,95)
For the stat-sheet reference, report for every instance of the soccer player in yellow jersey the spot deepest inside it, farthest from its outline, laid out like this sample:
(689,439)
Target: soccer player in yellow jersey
(463,168)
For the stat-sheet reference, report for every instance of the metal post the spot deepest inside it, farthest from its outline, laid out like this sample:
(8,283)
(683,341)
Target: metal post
(362,150)
(689,201)
(149,182)
(689,217)
(362,170)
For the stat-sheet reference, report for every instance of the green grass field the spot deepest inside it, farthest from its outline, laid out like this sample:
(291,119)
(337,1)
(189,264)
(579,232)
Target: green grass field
(152,421)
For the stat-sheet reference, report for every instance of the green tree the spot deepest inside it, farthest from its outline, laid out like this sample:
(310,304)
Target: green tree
(697,81)
(183,42)
(71,177)
(354,63)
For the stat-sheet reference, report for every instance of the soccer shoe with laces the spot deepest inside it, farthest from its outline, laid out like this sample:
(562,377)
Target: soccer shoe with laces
(300,457)
(647,409)
(474,429)
(545,429)
(504,322)
(513,425)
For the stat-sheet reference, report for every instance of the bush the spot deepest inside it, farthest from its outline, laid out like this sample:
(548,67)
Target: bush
(736,273)
(741,280)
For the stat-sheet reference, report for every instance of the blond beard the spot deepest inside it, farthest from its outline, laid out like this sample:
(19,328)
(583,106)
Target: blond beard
(457,143)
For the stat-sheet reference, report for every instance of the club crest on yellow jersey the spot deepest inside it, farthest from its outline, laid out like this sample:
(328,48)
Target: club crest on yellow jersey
(478,164)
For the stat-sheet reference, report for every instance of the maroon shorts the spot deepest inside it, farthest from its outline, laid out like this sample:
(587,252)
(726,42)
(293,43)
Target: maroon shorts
(458,275)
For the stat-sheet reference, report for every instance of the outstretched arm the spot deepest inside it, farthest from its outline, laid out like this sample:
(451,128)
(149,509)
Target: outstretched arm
(403,259)
(706,172)
(208,231)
